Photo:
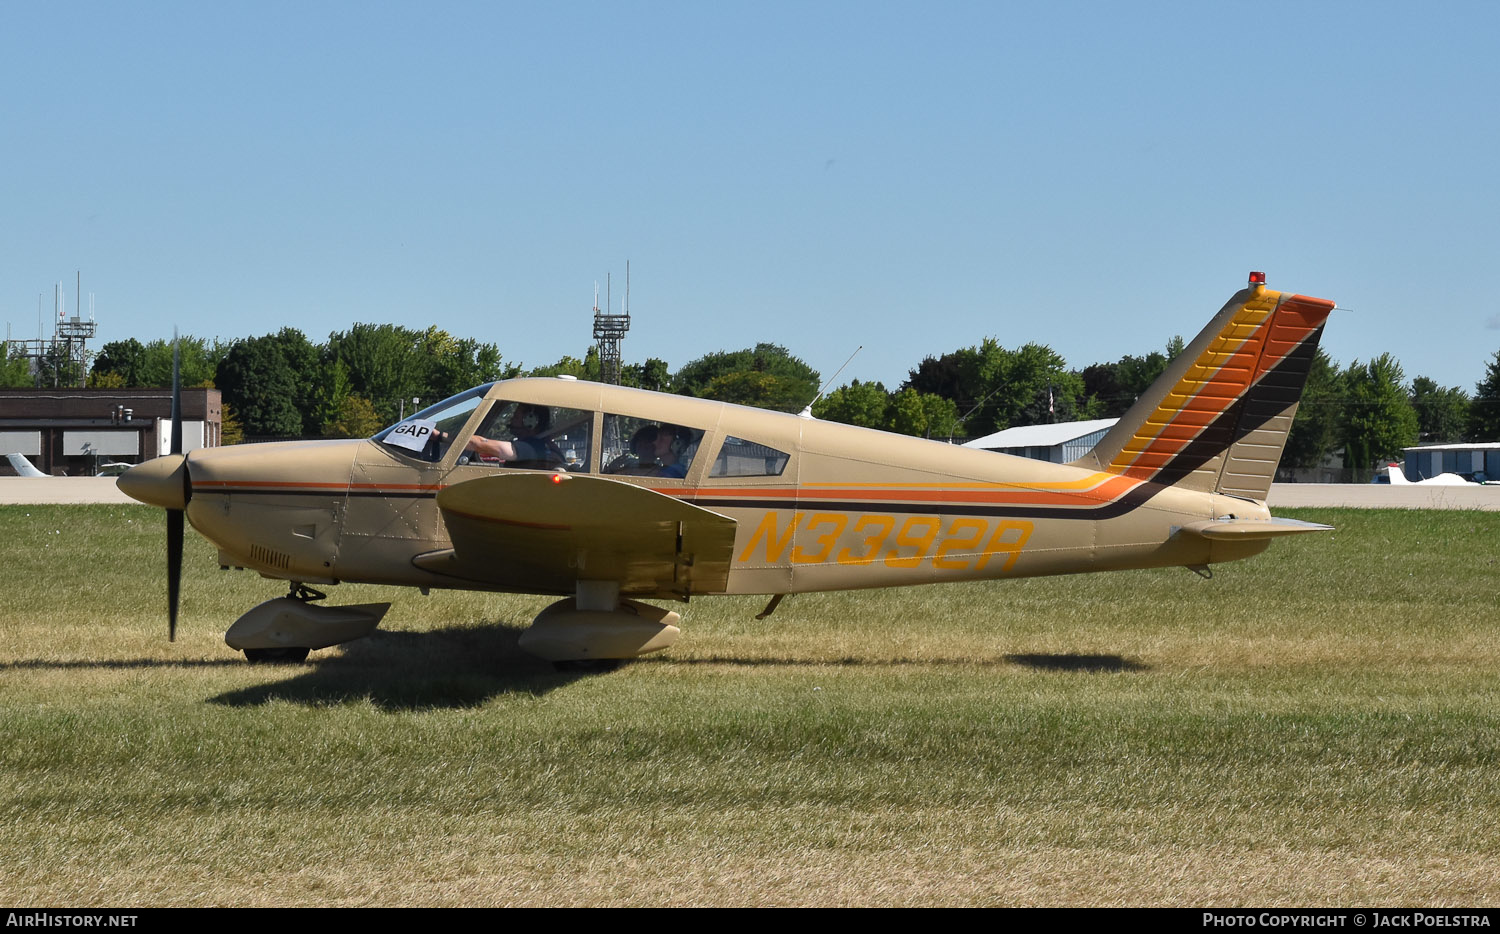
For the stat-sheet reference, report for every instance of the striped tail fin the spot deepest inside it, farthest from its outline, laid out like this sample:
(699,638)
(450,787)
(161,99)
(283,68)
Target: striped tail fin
(1217,419)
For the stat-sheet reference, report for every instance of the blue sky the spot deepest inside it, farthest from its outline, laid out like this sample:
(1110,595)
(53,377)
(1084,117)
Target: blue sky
(910,177)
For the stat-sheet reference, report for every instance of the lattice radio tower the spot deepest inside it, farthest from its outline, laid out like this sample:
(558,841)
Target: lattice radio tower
(609,330)
(69,342)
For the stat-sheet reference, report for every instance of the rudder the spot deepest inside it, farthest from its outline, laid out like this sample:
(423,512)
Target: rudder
(1218,418)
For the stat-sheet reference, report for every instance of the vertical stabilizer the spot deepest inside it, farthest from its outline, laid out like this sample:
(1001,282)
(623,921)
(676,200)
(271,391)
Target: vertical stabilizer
(23,467)
(1218,418)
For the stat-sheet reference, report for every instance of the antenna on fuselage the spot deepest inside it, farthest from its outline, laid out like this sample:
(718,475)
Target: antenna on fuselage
(807,412)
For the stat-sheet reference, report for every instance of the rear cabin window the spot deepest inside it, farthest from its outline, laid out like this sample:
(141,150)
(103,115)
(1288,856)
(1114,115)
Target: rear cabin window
(741,458)
(642,447)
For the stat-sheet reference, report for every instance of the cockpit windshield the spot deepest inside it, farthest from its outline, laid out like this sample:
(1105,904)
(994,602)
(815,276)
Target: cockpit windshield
(428,433)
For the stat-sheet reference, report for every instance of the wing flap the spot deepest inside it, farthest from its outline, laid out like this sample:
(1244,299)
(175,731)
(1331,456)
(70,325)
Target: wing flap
(543,532)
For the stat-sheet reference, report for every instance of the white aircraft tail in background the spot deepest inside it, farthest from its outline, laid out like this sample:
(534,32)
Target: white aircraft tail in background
(1395,476)
(23,466)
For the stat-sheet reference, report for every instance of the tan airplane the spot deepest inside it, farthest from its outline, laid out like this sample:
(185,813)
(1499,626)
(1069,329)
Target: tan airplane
(608,496)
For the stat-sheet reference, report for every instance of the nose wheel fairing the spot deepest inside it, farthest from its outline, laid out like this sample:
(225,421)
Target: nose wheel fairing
(290,623)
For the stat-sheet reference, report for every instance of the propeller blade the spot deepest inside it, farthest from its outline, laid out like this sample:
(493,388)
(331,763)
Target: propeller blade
(175,516)
(176,395)
(174,569)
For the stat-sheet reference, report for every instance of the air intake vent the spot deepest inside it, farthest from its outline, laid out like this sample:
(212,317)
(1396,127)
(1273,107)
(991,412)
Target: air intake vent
(270,557)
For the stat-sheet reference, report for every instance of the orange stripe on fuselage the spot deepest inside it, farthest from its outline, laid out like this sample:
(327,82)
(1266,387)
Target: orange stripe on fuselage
(1108,489)
(1092,490)
(310,485)
(1093,479)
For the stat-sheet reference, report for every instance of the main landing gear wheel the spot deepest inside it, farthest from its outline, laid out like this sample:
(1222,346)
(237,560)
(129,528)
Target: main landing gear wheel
(290,654)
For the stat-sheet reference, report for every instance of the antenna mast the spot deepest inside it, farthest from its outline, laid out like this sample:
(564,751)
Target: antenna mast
(69,343)
(609,330)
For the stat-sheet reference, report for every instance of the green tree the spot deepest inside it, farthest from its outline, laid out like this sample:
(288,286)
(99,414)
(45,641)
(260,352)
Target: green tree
(1484,410)
(200,361)
(382,365)
(333,388)
(923,414)
(1112,388)
(106,380)
(1028,386)
(762,390)
(15,371)
(1055,391)
(450,365)
(941,416)
(766,375)
(567,365)
(230,429)
(390,365)
(1378,418)
(1442,413)
(261,387)
(653,374)
(1315,431)
(123,359)
(857,403)
(993,388)
(907,415)
(356,418)
(962,376)
(303,359)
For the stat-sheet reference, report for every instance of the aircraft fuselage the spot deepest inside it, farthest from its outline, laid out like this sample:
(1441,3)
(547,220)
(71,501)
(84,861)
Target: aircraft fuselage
(829,507)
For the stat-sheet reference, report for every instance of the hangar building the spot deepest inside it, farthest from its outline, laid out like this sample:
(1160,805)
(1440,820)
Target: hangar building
(1061,443)
(1466,460)
(71,432)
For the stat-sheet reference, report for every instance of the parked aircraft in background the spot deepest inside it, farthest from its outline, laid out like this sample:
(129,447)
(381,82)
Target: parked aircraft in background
(608,496)
(1396,476)
(23,467)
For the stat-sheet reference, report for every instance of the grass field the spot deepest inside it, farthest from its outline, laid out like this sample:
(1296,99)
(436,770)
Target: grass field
(1318,725)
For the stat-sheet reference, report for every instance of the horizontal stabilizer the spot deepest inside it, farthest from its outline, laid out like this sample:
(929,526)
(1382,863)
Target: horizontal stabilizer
(544,532)
(1248,529)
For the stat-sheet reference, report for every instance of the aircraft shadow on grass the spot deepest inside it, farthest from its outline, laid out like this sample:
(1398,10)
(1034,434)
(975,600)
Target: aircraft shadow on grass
(468,666)
(457,667)
(1070,661)
(1067,661)
(118,664)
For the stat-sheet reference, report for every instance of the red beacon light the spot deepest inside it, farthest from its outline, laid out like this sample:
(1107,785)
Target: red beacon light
(1257,278)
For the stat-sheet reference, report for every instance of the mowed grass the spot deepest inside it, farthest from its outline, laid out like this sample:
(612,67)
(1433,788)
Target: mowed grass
(1320,724)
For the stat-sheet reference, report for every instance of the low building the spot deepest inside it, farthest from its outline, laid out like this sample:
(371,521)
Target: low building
(1467,460)
(72,432)
(1059,443)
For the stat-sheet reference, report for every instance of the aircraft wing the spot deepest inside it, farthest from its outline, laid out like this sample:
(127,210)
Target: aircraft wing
(540,532)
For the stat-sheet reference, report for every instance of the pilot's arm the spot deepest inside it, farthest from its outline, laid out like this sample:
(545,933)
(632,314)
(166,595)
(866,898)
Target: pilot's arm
(492,448)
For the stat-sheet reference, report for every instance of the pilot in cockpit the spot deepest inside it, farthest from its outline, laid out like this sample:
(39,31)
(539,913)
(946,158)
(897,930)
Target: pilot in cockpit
(657,451)
(527,446)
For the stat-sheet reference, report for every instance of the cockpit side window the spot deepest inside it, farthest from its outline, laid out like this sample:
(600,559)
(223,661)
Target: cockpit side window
(531,436)
(428,434)
(644,447)
(741,458)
